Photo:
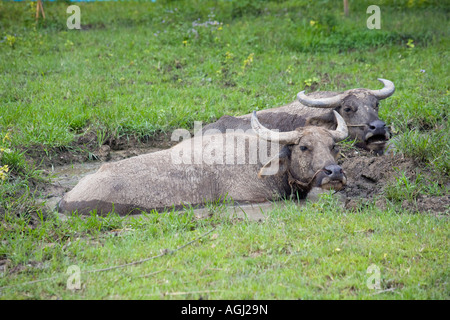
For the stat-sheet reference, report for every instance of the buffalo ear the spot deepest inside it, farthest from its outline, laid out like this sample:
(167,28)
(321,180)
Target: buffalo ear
(326,120)
(277,165)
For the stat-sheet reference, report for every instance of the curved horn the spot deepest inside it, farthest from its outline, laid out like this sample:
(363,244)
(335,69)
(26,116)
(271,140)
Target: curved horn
(387,91)
(291,137)
(330,102)
(341,131)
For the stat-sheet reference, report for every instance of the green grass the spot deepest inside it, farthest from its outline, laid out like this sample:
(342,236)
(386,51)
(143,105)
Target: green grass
(404,188)
(309,252)
(139,69)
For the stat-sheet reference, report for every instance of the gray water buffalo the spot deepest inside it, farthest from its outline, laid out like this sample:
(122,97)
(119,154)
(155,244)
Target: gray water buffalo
(358,107)
(252,166)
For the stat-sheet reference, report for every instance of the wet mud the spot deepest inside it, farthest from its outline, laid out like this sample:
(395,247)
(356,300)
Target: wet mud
(367,177)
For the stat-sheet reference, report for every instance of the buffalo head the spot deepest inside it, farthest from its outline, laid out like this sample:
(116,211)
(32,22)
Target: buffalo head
(308,156)
(359,108)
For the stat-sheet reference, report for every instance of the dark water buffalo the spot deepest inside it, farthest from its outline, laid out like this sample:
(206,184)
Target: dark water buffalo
(358,107)
(252,166)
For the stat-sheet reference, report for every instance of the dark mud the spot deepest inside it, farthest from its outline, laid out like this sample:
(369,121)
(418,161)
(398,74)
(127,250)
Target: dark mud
(367,174)
(86,148)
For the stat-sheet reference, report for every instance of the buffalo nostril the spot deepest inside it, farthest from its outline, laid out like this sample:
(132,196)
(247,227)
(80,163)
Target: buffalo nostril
(377,124)
(333,170)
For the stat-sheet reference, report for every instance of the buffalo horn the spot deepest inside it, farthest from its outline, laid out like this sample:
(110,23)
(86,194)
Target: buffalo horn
(329,102)
(341,131)
(291,137)
(387,91)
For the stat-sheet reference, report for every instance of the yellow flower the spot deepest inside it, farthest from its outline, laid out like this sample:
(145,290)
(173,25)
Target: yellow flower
(6,137)
(3,171)
(185,42)
(289,69)
(68,43)
(228,55)
(10,40)
(312,23)
(248,61)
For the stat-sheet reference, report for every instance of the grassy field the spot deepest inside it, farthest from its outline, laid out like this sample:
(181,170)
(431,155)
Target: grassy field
(138,70)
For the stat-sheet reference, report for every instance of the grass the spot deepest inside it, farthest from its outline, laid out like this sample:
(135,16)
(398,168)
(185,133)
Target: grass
(142,68)
(403,188)
(311,252)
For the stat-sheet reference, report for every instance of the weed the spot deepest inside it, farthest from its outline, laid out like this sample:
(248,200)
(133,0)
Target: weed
(403,188)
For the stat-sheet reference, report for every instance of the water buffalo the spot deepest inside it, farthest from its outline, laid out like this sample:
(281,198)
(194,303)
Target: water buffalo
(358,107)
(211,167)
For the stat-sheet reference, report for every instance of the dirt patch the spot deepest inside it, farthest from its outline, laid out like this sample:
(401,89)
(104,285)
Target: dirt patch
(87,148)
(438,204)
(369,174)
(65,166)
(5,266)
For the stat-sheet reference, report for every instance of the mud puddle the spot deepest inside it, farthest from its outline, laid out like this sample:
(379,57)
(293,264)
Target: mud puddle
(367,176)
(253,212)
(68,176)
(65,177)
(259,211)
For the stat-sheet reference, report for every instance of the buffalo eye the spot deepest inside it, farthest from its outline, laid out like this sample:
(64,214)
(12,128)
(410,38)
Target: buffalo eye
(303,148)
(347,109)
